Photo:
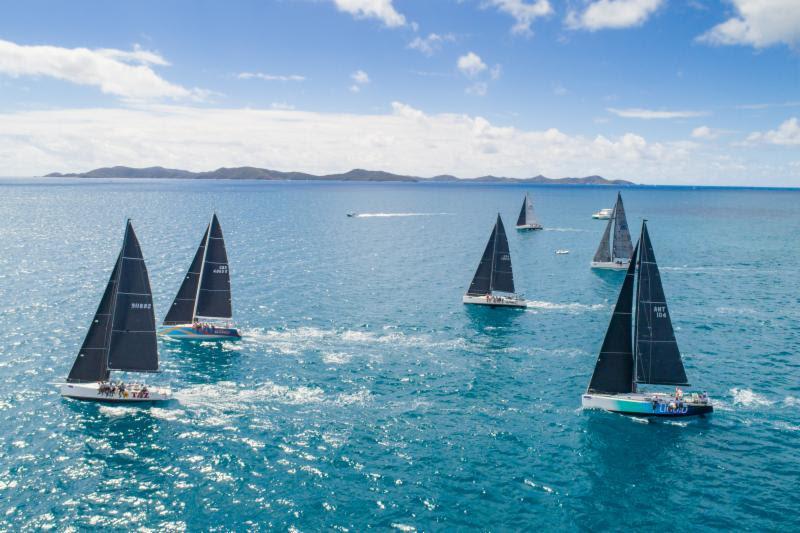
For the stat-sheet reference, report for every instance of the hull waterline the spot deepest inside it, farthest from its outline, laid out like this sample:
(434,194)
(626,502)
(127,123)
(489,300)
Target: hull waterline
(187,332)
(529,227)
(496,301)
(91,392)
(647,405)
(611,265)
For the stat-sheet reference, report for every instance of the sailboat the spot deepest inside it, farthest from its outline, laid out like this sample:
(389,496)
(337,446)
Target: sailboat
(527,220)
(494,274)
(643,353)
(615,247)
(122,336)
(202,308)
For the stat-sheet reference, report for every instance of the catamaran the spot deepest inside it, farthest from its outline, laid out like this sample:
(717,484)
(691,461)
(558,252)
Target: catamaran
(122,336)
(202,308)
(615,248)
(527,220)
(494,274)
(652,357)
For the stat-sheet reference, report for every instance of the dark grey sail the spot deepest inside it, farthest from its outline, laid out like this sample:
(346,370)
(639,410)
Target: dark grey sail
(133,327)
(622,247)
(522,219)
(214,295)
(182,309)
(613,372)
(603,253)
(502,275)
(90,365)
(658,359)
(494,271)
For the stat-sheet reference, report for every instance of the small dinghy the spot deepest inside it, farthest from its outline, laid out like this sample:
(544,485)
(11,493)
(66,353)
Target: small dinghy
(352,215)
(122,336)
(494,274)
(202,308)
(527,220)
(562,252)
(615,248)
(646,353)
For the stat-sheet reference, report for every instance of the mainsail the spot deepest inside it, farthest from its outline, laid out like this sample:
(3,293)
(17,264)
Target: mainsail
(182,309)
(90,365)
(657,357)
(214,293)
(613,372)
(526,215)
(494,271)
(133,345)
(622,247)
(603,253)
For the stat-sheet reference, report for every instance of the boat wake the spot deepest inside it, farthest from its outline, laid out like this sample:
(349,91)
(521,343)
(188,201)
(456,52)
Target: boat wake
(748,398)
(573,307)
(390,215)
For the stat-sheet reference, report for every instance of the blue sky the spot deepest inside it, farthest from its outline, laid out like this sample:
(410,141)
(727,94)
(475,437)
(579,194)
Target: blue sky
(656,91)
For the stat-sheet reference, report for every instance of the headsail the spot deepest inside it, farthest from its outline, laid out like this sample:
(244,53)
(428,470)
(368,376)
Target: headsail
(133,344)
(183,306)
(522,219)
(214,294)
(90,365)
(622,247)
(613,372)
(603,253)
(494,271)
(658,359)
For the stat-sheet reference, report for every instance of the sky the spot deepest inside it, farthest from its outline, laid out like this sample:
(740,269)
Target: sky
(702,92)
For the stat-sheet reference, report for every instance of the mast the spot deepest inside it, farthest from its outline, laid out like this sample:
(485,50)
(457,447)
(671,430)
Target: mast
(202,268)
(636,312)
(494,254)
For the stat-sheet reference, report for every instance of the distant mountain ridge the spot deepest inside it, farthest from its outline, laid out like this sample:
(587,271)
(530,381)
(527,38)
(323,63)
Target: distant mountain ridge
(358,174)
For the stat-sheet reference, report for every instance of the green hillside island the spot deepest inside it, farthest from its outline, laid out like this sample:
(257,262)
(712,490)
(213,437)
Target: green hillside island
(253,173)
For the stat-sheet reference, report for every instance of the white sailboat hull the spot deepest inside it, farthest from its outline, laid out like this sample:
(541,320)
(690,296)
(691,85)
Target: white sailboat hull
(611,265)
(495,301)
(91,392)
(648,404)
(529,227)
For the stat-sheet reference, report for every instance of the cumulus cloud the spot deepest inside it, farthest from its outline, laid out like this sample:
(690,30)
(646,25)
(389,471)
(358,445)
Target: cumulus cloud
(651,114)
(430,44)
(269,77)
(612,14)
(404,140)
(522,12)
(787,134)
(705,133)
(758,23)
(471,64)
(382,10)
(122,73)
(359,78)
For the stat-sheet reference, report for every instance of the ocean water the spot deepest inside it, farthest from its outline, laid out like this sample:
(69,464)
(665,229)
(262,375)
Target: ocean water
(365,395)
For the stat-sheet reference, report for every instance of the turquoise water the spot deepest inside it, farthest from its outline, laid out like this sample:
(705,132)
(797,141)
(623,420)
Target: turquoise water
(364,394)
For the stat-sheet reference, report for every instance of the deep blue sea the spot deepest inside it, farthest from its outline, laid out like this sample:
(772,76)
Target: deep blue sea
(365,395)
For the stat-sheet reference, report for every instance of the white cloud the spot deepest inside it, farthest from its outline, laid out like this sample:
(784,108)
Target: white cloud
(360,77)
(471,64)
(479,88)
(612,14)
(382,10)
(649,114)
(269,77)
(282,106)
(127,74)
(704,132)
(769,105)
(405,140)
(523,13)
(787,134)
(430,44)
(758,23)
